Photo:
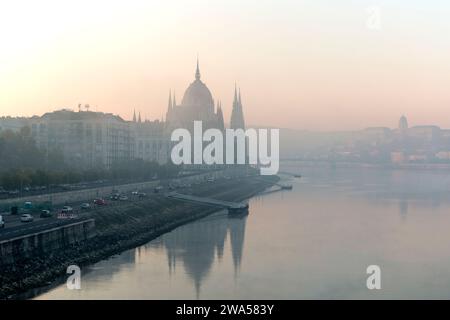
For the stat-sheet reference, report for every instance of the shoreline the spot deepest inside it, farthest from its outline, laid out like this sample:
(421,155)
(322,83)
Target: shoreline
(121,229)
(363,165)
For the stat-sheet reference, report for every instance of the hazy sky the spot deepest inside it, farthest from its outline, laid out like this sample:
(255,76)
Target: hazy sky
(313,64)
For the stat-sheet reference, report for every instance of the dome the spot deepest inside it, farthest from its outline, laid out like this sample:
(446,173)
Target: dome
(197,95)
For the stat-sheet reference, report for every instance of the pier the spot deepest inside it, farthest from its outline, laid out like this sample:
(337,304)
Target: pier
(283,186)
(232,207)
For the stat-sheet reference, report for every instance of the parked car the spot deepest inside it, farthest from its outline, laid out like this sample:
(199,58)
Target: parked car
(123,198)
(26,217)
(46,214)
(142,194)
(2,223)
(135,193)
(100,202)
(85,206)
(67,209)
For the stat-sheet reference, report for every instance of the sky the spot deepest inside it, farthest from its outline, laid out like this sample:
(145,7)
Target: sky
(309,65)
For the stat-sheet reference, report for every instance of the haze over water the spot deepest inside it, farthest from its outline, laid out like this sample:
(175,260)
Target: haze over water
(315,241)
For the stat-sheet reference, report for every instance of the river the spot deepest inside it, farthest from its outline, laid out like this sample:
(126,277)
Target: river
(313,242)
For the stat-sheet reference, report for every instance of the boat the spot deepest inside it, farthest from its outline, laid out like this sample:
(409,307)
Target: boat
(286,187)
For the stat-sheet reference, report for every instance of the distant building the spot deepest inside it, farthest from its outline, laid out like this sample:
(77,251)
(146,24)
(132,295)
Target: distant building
(375,135)
(95,139)
(86,139)
(151,142)
(403,125)
(397,157)
(197,104)
(428,133)
(443,155)
(13,123)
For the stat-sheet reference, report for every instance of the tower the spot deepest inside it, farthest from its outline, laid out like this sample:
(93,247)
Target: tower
(169,107)
(403,124)
(220,121)
(237,114)
(237,122)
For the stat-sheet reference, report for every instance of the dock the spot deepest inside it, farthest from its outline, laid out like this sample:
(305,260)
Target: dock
(232,207)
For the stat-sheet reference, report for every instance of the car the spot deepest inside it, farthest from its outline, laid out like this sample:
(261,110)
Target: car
(14,210)
(2,223)
(85,206)
(28,205)
(26,217)
(158,189)
(100,202)
(135,193)
(142,195)
(114,197)
(123,198)
(66,209)
(46,214)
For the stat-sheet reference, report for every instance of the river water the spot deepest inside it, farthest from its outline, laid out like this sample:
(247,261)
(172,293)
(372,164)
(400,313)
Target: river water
(314,242)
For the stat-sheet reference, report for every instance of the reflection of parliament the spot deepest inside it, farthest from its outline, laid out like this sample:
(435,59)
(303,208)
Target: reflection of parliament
(90,139)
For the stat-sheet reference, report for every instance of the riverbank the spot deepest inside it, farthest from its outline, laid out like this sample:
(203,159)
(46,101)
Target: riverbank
(367,165)
(122,228)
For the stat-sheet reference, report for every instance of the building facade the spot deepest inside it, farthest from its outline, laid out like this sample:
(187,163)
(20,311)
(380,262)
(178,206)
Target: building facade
(197,105)
(86,139)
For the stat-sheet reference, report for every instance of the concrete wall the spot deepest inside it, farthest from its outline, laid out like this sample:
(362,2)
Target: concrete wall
(45,241)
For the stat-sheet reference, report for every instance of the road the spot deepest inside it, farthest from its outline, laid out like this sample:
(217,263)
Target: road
(14,227)
(33,227)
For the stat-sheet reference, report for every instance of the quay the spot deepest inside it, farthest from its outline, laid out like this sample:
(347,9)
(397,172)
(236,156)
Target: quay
(232,207)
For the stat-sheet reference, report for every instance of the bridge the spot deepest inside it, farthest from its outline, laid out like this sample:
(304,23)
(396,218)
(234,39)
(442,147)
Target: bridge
(233,207)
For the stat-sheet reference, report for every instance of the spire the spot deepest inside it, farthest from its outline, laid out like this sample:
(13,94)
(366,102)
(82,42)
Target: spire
(220,120)
(174,100)
(239,101)
(237,115)
(169,107)
(139,118)
(134,115)
(197,72)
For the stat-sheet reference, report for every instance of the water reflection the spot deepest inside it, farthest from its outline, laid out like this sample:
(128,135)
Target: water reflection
(315,241)
(403,208)
(196,245)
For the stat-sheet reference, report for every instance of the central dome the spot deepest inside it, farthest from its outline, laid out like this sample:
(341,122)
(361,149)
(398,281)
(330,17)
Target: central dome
(198,96)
